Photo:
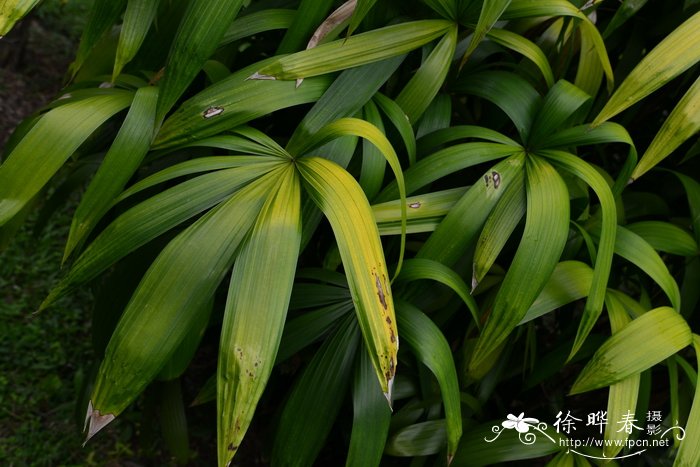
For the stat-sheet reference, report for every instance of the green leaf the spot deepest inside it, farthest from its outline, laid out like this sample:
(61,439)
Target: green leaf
(316,398)
(232,102)
(445,8)
(426,269)
(257,22)
(162,310)
(511,93)
(428,343)
(689,452)
(570,281)
(589,72)
(446,162)
(173,421)
(560,103)
(356,50)
(490,12)
(692,191)
(491,444)
(499,226)
(683,123)
(255,313)
(527,48)
(50,142)
(120,163)
(459,132)
(627,9)
(367,131)
(644,342)
(666,237)
(371,417)
(153,217)
(470,213)
(308,328)
(362,7)
(424,212)
(373,162)
(672,56)
(344,98)
(607,239)
(544,237)
(12,11)
(202,28)
(419,439)
(103,15)
(636,250)
(309,15)
(137,21)
(341,199)
(415,97)
(401,121)
(622,398)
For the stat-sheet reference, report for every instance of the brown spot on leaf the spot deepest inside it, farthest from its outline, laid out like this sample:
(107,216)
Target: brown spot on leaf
(496,179)
(415,205)
(388,320)
(232,447)
(380,291)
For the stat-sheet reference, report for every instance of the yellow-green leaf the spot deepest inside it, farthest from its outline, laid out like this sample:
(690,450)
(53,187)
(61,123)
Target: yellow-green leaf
(341,199)
(644,342)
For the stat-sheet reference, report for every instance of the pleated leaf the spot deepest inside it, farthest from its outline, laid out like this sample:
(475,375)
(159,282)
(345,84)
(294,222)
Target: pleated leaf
(426,269)
(562,100)
(474,450)
(511,93)
(636,250)
(692,191)
(527,48)
(362,7)
(428,343)
(666,237)
(424,212)
(257,22)
(202,28)
(161,311)
(310,14)
(50,142)
(341,199)
(676,53)
(367,131)
(570,281)
(120,163)
(419,92)
(689,452)
(316,398)
(544,237)
(153,217)
(622,398)
(470,212)
(103,15)
(643,343)
(355,51)
(683,123)
(371,417)
(446,162)
(402,123)
(351,90)
(12,11)
(137,21)
(232,102)
(373,162)
(506,215)
(490,12)
(607,240)
(255,312)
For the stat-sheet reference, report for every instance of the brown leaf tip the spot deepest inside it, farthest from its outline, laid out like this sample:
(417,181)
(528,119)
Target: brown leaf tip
(95,421)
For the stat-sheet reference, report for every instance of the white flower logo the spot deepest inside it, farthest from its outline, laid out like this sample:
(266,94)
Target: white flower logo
(521,424)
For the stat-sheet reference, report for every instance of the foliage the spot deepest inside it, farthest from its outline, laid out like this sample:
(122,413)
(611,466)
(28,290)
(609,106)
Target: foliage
(219,162)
